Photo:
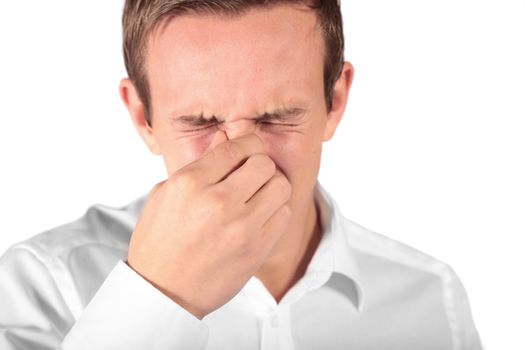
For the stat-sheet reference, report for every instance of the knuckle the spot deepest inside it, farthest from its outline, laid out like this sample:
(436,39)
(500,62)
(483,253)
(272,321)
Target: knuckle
(218,197)
(239,237)
(157,187)
(218,200)
(184,179)
(156,190)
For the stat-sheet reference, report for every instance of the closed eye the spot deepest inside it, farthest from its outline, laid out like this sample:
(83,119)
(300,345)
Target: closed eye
(279,124)
(263,123)
(200,129)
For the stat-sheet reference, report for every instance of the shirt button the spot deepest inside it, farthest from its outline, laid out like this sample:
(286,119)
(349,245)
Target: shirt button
(274,321)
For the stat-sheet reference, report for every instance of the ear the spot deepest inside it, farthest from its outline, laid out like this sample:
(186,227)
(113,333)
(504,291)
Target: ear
(136,110)
(339,99)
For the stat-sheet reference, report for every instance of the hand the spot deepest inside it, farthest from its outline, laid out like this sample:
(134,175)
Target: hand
(208,228)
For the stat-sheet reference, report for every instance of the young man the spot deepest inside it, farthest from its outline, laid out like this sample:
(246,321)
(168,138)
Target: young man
(240,247)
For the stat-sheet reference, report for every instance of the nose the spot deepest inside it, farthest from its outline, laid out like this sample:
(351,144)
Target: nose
(238,128)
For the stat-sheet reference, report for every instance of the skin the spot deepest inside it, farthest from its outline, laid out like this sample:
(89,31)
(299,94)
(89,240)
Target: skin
(237,69)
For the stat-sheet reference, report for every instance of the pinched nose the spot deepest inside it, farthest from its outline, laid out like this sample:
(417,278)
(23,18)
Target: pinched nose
(238,128)
(242,127)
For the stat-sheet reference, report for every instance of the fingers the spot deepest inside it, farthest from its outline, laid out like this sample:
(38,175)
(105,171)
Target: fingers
(270,198)
(227,156)
(272,230)
(218,138)
(250,177)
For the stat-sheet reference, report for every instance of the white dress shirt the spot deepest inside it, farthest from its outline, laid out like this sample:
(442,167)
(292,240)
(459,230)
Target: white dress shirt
(69,288)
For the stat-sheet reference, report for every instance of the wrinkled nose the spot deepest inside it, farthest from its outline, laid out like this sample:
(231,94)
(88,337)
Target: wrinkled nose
(238,128)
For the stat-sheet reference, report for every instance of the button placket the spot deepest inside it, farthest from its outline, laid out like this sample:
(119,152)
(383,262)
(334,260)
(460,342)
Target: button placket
(270,331)
(277,332)
(275,320)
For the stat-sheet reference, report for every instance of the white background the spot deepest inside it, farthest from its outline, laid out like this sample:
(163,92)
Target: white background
(430,151)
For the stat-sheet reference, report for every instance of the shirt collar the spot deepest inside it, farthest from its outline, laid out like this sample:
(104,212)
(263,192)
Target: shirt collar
(334,253)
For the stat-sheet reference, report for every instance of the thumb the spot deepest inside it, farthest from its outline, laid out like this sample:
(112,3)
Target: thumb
(218,138)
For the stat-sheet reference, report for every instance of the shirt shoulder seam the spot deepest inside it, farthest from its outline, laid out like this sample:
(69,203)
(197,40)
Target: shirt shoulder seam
(58,273)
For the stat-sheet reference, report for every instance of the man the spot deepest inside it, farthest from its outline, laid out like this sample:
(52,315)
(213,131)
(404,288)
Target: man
(240,247)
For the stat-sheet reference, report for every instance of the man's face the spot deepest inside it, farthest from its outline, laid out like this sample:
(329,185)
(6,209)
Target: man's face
(236,70)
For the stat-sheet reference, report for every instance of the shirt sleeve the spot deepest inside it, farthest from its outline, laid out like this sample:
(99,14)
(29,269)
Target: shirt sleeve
(127,312)
(461,322)
(33,315)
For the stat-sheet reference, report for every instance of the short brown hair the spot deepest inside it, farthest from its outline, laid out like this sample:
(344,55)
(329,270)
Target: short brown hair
(141,17)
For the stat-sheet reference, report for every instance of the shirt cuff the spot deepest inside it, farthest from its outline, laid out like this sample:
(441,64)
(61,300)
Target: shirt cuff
(128,312)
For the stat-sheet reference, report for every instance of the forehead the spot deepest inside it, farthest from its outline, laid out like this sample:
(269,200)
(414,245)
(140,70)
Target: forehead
(262,55)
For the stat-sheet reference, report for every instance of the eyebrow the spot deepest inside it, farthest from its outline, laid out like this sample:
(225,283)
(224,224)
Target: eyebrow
(279,114)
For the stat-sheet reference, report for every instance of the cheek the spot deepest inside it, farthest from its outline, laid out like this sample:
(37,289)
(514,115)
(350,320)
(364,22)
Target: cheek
(195,147)
(294,153)
(185,151)
(283,149)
